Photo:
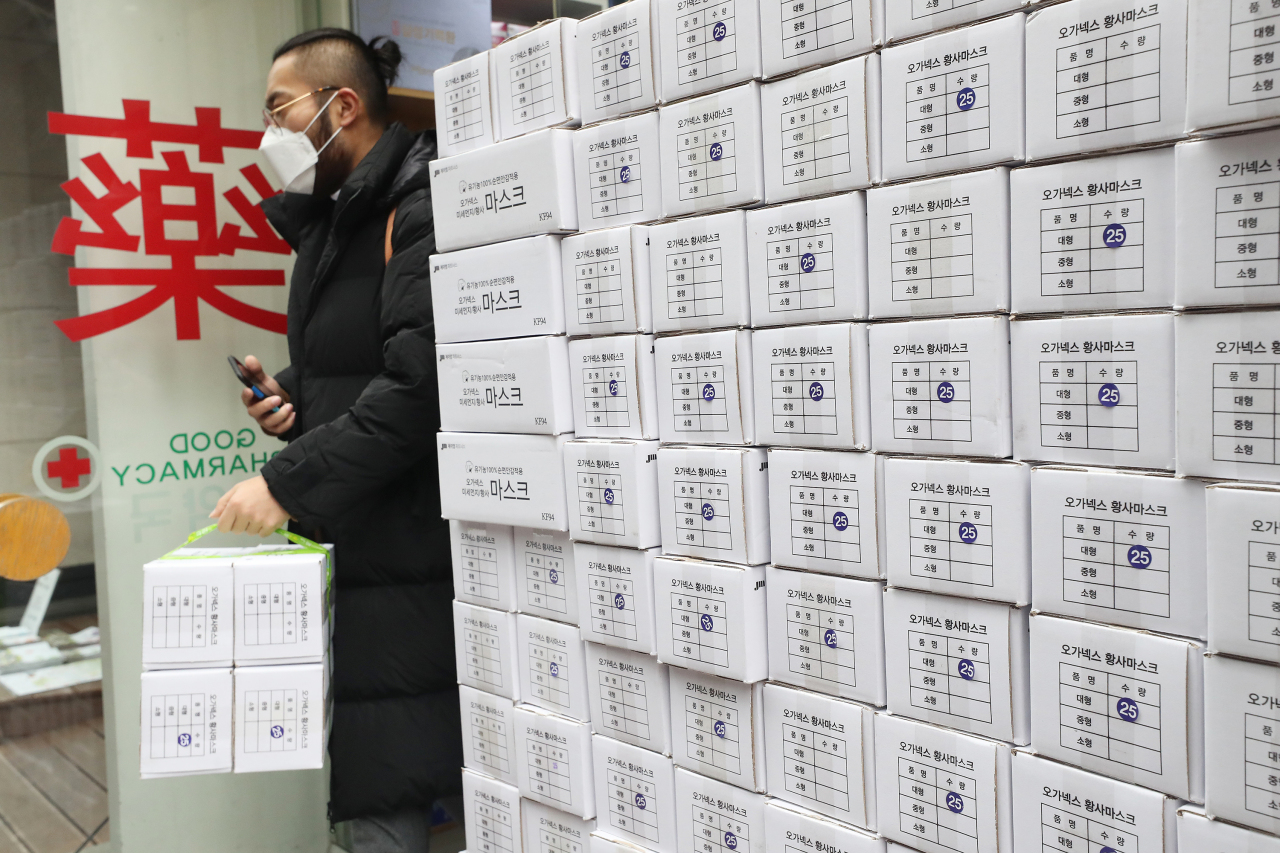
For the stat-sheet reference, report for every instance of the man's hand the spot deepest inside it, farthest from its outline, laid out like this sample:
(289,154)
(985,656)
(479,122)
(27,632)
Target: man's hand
(249,507)
(272,423)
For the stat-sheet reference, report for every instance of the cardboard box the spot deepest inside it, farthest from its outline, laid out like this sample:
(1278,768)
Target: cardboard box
(1094,390)
(1120,547)
(618,61)
(484,644)
(953,791)
(505,290)
(812,386)
(1228,370)
(188,617)
(488,733)
(714,503)
(698,273)
(613,490)
(716,616)
(711,155)
(957,662)
(705,391)
(705,45)
(186,722)
(553,761)
(483,560)
(954,100)
(1197,832)
(494,811)
(1073,810)
(805,831)
(636,792)
(603,843)
(613,387)
(941,386)
(609,271)
(960,527)
(717,728)
(1243,558)
(283,602)
(503,479)
(546,576)
(1101,77)
(517,385)
(1123,703)
(824,511)
(820,753)
(712,812)
(555,829)
(518,188)
(822,130)
(615,595)
(630,697)
(940,246)
(553,666)
(617,172)
(535,79)
(281,717)
(464,106)
(796,37)
(1080,238)
(1241,718)
(795,254)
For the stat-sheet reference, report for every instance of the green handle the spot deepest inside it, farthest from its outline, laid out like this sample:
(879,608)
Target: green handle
(307,545)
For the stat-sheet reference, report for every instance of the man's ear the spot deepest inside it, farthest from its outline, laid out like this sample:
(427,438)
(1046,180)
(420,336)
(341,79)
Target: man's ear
(350,107)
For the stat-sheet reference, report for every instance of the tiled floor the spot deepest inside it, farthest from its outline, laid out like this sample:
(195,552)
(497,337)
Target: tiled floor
(53,790)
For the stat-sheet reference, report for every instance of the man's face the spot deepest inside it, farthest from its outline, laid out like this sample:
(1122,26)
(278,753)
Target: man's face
(284,84)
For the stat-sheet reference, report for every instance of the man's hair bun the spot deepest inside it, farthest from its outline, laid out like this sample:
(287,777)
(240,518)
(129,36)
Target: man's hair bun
(387,57)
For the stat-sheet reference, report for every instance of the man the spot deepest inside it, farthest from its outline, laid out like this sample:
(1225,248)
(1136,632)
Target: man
(359,408)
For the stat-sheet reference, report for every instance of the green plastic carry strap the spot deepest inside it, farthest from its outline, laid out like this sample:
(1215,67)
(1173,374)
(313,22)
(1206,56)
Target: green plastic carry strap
(306,545)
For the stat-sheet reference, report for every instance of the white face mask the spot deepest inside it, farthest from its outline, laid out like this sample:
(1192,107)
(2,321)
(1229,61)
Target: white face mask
(292,156)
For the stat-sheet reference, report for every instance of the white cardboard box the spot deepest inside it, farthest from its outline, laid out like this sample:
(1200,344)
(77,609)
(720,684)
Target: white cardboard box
(794,37)
(503,479)
(1123,703)
(615,595)
(636,792)
(188,618)
(483,564)
(941,386)
(613,387)
(516,385)
(612,485)
(618,61)
(822,130)
(711,154)
(903,20)
(820,753)
(464,106)
(1120,547)
(705,390)
(1231,64)
(608,271)
(834,634)
(553,761)
(494,809)
(1101,76)
(552,666)
(942,791)
(504,290)
(1241,719)
(535,79)
(959,526)
(488,733)
(940,246)
(1197,832)
(717,728)
(698,273)
(1225,194)
(1243,558)
(806,831)
(557,830)
(1227,371)
(812,386)
(282,607)
(604,843)
(546,577)
(711,617)
(1094,390)
(957,662)
(954,100)
(518,188)
(281,717)
(630,697)
(713,812)
(186,722)
(705,45)
(484,643)
(617,172)
(1094,235)
(796,254)
(714,502)
(825,511)
(1071,809)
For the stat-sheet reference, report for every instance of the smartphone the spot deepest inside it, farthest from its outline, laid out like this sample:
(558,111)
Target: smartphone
(243,376)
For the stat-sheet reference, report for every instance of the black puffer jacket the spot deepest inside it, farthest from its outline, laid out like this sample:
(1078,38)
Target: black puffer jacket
(360,471)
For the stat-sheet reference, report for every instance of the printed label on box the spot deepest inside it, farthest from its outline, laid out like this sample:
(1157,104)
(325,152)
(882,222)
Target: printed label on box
(546,580)
(822,511)
(550,830)
(615,595)
(519,385)
(186,722)
(282,608)
(505,290)
(714,503)
(617,73)
(636,790)
(706,44)
(711,155)
(608,271)
(630,698)
(503,479)
(613,488)
(554,761)
(484,643)
(488,733)
(535,78)
(280,717)
(492,815)
(188,618)
(1231,64)
(616,167)
(710,617)
(903,20)
(798,830)
(464,110)
(1243,547)
(717,728)
(699,273)
(483,564)
(553,666)
(1242,731)
(714,817)
(613,387)
(705,391)
(801,35)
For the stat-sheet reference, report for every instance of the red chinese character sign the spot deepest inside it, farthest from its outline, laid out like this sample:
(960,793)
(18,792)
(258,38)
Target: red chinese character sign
(171,198)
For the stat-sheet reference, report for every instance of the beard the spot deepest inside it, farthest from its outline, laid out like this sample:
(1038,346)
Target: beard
(332,165)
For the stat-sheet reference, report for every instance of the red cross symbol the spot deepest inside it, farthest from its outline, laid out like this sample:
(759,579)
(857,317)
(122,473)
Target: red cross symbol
(69,468)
